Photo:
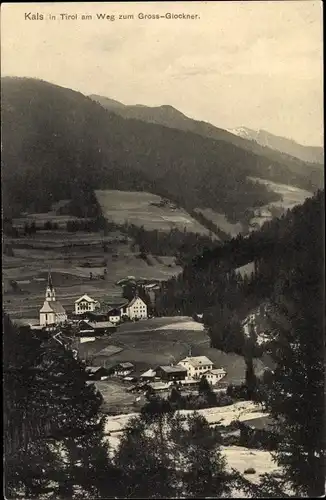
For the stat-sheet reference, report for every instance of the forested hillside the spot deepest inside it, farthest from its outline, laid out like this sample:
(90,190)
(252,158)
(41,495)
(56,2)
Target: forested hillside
(298,159)
(288,254)
(211,286)
(59,144)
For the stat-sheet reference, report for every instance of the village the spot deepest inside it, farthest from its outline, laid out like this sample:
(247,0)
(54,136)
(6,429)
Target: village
(92,325)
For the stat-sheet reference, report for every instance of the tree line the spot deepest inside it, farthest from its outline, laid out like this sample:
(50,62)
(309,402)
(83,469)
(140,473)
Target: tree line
(55,440)
(288,257)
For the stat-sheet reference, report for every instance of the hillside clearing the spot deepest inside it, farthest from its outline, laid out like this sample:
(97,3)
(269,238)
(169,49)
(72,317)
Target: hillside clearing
(291,195)
(220,220)
(138,208)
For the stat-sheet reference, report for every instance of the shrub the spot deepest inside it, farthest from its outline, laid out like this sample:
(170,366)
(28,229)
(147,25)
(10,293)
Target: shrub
(250,470)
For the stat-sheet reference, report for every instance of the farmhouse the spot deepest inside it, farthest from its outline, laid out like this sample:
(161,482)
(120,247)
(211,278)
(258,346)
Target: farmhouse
(159,386)
(215,375)
(169,373)
(102,327)
(96,315)
(135,309)
(123,369)
(196,366)
(85,328)
(114,316)
(85,304)
(148,375)
(52,312)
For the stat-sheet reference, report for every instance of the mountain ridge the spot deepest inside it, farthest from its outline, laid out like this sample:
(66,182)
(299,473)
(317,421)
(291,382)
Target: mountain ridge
(311,154)
(179,120)
(53,136)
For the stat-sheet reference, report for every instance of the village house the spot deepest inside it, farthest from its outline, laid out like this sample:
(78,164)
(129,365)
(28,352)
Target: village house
(96,315)
(102,327)
(170,373)
(95,328)
(52,312)
(123,369)
(114,316)
(215,375)
(148,375)
(158,386)
(85,304)
(85,329)
(196,366)
(135,309)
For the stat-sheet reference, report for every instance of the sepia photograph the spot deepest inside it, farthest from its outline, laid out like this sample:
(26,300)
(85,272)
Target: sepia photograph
(163,305)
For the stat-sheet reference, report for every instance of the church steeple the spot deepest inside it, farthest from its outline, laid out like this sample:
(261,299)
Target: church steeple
(50,292)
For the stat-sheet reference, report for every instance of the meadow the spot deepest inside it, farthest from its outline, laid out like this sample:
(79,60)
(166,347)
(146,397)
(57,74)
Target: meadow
(291,195)
(220,220)
(162,341)
(141,209)
(71,257)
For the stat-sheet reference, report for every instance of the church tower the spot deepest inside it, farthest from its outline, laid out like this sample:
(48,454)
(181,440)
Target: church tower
(50,291)
(52,312)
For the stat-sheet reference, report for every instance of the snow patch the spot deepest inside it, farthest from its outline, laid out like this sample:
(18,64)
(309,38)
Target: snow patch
(185,325)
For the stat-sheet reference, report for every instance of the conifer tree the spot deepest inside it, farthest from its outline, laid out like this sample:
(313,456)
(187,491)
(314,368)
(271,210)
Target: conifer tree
(293,392)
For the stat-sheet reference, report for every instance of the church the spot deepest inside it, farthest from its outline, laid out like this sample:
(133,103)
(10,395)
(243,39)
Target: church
(52,312)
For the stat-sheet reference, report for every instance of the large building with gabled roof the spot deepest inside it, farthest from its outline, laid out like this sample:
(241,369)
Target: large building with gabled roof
(52,312)
(85,304)
(135,309)
(196,365)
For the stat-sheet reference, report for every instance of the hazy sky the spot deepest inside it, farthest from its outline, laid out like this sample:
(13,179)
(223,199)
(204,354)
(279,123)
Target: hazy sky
(254,64)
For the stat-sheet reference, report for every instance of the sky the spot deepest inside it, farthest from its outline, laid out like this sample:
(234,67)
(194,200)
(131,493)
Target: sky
(256,64)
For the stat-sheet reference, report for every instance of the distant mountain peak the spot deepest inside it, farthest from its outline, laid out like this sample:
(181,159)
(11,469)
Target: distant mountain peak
(244,132)
(285,145)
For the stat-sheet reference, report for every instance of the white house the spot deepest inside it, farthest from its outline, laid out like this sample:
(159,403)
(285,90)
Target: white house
(123,369)
(136,308)
(52,312)
(215,375)
(85,304)
(196,366)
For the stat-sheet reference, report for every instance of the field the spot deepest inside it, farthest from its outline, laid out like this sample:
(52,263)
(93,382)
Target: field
(291,195)
(71,257)
(238,457)
(224,415)
(159,341)
(156,341)
(116,397)
(222,222)
(241,458)
(137,208)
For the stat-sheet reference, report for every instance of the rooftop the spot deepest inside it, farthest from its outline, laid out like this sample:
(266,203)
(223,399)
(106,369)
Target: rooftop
(101,324)
(131,303)
(156,386)
(92,369)
(197,361)
(149,373)
(173,369)
(217,371)
(54,306)
(85,297)
(125,365)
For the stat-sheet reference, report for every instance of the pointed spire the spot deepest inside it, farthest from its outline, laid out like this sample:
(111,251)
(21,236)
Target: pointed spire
(50,292)
(50,284)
